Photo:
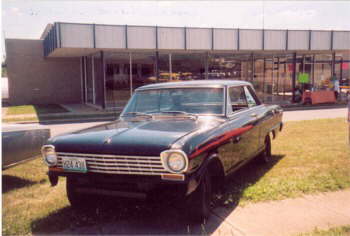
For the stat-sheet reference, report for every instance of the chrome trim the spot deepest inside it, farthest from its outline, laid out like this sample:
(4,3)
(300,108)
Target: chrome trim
(118,164)
(144,88)
(105,155)
(112,192)
(44,157)
(165,177)
(165,154)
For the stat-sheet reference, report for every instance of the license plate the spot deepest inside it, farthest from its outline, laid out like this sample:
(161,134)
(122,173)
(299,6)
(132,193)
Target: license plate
(74,164)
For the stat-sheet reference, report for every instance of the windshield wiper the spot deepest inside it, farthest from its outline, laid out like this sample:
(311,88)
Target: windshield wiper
(137,114)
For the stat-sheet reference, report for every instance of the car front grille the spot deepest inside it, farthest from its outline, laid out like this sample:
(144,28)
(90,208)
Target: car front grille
(115,164)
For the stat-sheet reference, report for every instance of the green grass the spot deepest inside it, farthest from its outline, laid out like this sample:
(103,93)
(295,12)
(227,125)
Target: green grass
(68,116)
(27,196)
(21,110)
(337,231)
(35,109)
(309,157)
(20,119)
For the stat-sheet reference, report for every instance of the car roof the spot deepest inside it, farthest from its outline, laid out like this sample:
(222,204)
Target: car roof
(195,84)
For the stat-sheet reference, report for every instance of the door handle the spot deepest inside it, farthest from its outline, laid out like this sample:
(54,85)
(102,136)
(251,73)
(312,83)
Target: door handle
(254,115)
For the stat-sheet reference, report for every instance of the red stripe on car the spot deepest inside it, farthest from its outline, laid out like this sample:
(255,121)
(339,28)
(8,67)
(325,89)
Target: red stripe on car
(222,138)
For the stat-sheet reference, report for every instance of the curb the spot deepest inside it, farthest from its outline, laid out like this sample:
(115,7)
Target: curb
(308,107)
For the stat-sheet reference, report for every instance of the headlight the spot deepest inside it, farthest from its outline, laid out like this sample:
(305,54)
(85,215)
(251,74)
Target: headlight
(174,161)
(49,155)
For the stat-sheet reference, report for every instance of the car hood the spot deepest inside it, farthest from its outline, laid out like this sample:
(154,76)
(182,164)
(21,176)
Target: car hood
(145,137)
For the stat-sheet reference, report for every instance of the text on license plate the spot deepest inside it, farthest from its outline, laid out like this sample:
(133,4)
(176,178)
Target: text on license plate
(74,164)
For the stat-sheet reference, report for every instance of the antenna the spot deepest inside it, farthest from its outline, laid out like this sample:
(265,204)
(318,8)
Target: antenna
(263,14)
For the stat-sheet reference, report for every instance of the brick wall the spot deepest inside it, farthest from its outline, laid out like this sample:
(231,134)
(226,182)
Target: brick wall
(34,79)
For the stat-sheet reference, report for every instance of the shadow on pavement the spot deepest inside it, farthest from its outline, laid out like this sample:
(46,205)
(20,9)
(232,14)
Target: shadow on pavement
(111,216)
(10,182)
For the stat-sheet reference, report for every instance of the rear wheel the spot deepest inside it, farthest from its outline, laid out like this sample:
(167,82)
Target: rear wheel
(199,202)
(265,156)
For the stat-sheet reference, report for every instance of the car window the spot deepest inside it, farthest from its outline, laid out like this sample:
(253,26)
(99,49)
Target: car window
(238,100)
(190,100)
(250,99)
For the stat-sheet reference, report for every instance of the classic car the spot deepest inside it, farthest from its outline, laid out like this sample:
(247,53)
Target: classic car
(178,140)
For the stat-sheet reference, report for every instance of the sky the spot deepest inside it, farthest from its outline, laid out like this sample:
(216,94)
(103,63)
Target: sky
(28,18)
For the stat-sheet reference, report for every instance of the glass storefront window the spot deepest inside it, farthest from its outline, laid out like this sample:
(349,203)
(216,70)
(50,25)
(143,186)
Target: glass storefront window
(322,71)
(117,79)
(223,66)
(188,66)
(271,75)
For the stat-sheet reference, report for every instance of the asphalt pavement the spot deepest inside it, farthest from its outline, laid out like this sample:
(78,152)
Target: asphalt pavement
(57,129)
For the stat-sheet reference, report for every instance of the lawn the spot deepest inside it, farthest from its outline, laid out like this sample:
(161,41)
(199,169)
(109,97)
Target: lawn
(337,231)
(35,109)
(309,157)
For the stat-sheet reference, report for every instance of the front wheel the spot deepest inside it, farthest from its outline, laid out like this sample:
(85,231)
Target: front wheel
(76,199)
(199,202)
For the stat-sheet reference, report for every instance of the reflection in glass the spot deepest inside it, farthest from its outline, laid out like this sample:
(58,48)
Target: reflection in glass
(224,66)
(189,100)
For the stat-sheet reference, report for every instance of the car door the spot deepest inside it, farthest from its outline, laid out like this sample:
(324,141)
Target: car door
(256,116)
(242,125)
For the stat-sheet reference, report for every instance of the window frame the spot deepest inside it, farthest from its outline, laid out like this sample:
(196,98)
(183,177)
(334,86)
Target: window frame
(229,110)
(246,90)
(251,90)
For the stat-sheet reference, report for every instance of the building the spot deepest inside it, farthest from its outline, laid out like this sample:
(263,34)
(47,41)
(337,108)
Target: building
(101,65)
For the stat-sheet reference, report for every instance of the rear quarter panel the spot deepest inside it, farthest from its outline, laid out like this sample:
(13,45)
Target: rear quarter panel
(272,123)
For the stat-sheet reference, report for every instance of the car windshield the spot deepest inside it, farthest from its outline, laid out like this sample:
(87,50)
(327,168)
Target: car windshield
(177,101)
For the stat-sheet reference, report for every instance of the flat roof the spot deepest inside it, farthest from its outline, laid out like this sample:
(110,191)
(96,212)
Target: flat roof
(194,83)
(76,40)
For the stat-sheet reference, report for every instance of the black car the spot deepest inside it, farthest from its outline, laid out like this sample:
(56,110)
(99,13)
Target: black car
(177,140)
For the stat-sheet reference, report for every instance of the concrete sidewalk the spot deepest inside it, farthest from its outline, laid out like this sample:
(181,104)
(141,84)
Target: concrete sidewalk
(287,217)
